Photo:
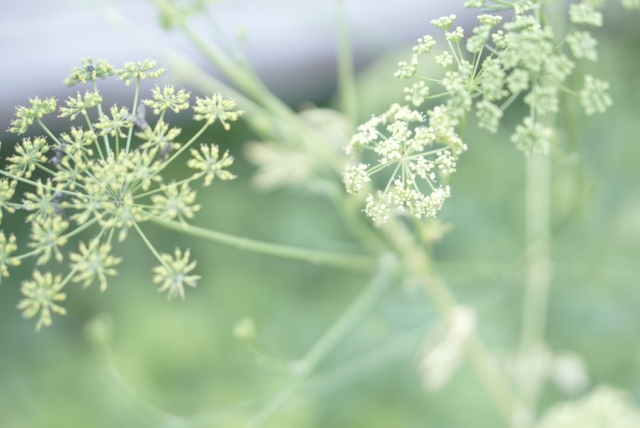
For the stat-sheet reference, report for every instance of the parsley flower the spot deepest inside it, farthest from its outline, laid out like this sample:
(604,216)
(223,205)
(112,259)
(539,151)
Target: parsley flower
(172,274)
(424,45)
(210,163)
(42,204)
(7,190)
(139,71)
(417,93)
(25,116)
(46,237)
(489,115)
(532,137)
(93,261)
(407,69)
(543,99)
(167,98)
(80,104)
(408,150)
(355,176)
(89,72)
(120,118)
(216,107)
(40,295)
(28,155)
(160,137)
(78,144)
(585,14)
(444,23)
(7,246)
(176,202)
(583,45)
(594,96)
(604,407)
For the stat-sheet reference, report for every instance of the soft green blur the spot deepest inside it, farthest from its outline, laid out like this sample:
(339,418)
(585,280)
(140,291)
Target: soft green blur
(127,358)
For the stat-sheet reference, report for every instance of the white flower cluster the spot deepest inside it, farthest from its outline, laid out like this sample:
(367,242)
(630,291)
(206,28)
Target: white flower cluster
(401,143)
(604,407)
(523,60)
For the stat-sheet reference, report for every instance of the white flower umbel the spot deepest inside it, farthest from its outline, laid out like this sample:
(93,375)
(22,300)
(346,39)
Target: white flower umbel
(604,407)
(410,152)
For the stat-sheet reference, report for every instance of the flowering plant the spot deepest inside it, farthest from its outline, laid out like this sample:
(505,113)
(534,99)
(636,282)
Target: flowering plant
(389,177)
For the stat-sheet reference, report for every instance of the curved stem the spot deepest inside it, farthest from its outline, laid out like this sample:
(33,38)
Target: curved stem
(341,260)
(343,325)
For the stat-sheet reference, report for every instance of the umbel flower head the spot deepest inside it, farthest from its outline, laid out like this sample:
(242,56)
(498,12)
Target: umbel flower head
(167,98)
(172,274)
(215,108)
(93,262)
(89,72)
(106,175)
(40,296)
(523,59)
(7,247)
(25,116)
(408,152)
(604,407)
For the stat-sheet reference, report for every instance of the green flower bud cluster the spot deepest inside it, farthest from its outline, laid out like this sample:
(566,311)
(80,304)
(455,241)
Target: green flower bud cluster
(103,175)
(524,60)
(521,59)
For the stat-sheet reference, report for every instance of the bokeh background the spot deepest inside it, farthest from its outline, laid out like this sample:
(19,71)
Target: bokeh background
(127,358)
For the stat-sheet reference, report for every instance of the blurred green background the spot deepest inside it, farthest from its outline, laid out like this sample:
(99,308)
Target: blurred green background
(164,359)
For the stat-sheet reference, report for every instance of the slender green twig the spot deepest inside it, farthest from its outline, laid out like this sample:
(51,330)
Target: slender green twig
(539,266)
(100,114)
(354,313)
(418,263)
(345,261)
(346,77)
(133,111)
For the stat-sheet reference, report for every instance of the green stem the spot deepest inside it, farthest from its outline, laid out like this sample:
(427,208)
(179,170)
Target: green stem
(53,137)
(346,77)
(354,313)
(133,112)
(100,114)
(45,169)
(509,101)
(146,241)
(418,263)
(86,116)
(539,269)
(341,260)
(15,177)
(463,125)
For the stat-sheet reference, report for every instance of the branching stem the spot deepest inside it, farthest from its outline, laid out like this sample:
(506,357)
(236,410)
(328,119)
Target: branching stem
(343,325)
